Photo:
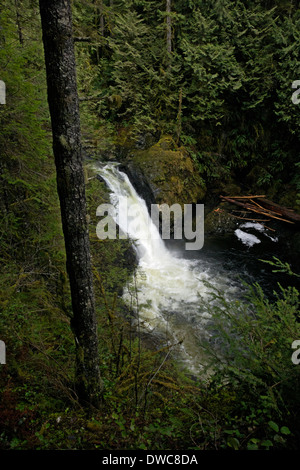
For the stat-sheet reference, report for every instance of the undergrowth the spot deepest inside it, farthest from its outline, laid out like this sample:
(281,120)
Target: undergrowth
(249,400)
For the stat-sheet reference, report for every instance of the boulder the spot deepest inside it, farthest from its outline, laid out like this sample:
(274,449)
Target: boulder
(166,173)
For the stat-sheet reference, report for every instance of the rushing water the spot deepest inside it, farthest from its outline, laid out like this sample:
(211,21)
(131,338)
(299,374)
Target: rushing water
(171,287)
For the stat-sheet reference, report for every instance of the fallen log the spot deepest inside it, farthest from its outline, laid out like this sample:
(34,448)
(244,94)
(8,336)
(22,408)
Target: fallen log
(255,220)
(265,207)
(244,197)
(286,212)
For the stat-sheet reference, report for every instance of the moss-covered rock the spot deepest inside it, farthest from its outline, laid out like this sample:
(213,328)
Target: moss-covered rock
(170,172)
(229,188)
(219,221)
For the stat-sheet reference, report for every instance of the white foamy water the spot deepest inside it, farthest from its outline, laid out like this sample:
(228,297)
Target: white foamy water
(250,239)
(246,238)
(166,290)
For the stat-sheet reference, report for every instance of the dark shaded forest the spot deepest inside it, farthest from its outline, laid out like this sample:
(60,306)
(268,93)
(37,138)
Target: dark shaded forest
(218,81)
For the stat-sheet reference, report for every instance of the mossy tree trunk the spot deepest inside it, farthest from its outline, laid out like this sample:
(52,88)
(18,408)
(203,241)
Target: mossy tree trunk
(64,111)
(18,21)
(169,27)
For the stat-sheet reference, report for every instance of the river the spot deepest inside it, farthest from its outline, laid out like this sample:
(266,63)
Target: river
(171,289)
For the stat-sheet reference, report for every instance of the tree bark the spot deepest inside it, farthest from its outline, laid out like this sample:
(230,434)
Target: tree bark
(169,26)
(64,111)
(18,21)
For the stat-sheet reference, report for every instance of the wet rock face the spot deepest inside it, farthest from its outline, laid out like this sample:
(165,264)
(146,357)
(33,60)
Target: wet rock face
(164,173)
(139,182)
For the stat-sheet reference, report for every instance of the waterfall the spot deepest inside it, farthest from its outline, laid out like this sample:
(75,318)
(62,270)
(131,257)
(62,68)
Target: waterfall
(167,288)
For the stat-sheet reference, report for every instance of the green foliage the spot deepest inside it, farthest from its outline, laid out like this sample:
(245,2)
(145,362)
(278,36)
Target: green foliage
(225,94)
(250,351)
(232,64)
(281,267)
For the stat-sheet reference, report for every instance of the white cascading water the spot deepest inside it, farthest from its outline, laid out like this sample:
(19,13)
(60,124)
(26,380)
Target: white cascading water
(166,290)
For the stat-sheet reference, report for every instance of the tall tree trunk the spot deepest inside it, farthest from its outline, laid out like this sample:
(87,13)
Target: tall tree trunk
(169,27)
(102,26)
(64,110)
(18,21)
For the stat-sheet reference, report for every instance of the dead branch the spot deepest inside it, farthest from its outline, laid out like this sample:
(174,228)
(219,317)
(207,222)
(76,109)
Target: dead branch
(265,208)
